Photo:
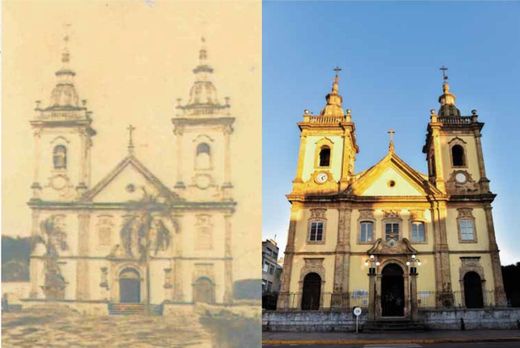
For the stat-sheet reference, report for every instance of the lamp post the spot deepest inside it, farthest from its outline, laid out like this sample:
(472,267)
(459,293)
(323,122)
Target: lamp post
(412,264)
(372,263)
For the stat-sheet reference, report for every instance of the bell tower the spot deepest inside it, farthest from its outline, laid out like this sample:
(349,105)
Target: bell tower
(453,148)
(62,140)
(327,147)
(202,129)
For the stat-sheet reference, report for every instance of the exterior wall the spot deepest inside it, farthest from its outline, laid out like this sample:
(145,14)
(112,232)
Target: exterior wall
(309,164)
(326,321)
(470,151)
(77,170)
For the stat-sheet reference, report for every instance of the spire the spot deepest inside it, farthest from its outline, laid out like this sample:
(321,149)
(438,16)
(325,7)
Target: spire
(334,99)
(203,98)
(64,95)
(447,99)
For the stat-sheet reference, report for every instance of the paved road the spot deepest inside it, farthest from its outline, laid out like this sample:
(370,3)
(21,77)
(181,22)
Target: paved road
(381,345)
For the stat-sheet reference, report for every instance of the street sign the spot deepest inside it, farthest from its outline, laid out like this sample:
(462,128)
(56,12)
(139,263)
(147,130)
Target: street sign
(357,312)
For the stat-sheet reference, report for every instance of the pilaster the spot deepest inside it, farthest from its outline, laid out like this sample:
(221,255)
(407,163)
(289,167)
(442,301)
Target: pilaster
(500,296)
(283,297)
(340,298)
(82,265)
(228,265)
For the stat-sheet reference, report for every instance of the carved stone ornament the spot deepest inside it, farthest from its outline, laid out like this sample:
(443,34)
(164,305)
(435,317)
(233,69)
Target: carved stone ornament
(366,214)
(461,182)
(465,213)
(319,213)
(391,214)
(399,247)
(416,215)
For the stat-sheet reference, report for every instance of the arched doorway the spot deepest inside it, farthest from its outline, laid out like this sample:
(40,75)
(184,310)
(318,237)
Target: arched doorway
(203,290)
(129,286)
(473,290)
(311,292)
(392,291)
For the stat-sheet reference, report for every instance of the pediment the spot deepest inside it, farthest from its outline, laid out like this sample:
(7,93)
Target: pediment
(126,183)
(392,177)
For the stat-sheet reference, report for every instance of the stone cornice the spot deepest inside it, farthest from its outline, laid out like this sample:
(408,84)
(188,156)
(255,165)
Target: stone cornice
(176,205)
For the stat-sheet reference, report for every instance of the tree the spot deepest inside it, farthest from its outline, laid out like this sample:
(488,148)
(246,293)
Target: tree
(53,237)
(146,231)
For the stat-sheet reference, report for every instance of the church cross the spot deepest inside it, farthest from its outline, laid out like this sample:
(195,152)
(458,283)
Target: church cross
(337,69)
(130,129)
(391,134)
(444,75)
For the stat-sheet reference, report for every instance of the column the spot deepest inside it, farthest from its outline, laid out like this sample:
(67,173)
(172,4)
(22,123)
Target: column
(372,293)
(340,295)
(500,295)
(483,181)
(284,295)
(178,295)
(441,253)
(301,158)
(34,273)
(178,131)
(82,266)
(227,155)
(439,173)
(228,263)
(413,293)
(348,151)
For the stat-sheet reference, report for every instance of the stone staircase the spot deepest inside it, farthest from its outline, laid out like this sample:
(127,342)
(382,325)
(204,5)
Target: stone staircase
(133,309)
(392,324)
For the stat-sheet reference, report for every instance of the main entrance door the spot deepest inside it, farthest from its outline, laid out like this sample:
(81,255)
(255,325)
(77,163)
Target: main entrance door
(392,291)
(203,291)
(311,291)
(129,286)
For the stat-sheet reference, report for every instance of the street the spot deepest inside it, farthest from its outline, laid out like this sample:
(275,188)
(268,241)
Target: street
(410,345)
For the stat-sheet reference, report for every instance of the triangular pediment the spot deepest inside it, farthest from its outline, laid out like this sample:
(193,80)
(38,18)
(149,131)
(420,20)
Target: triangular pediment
(125,183)
(392,177)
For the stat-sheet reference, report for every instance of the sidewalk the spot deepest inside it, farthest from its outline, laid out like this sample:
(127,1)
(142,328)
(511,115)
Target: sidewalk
(440,336)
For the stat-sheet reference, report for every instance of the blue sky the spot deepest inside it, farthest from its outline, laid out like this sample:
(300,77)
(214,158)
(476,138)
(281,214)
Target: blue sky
(390,53)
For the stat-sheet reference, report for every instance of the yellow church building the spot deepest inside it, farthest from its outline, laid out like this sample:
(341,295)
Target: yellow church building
(390,239)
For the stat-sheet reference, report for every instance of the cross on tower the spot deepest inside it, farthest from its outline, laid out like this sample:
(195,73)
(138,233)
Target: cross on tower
(130,129)
(337,69)
(444,75)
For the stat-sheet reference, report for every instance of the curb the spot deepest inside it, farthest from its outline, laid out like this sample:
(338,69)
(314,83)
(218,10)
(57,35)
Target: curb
(390,341)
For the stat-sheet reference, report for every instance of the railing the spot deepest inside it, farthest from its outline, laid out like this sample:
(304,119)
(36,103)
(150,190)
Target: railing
(324,119)
(457,120)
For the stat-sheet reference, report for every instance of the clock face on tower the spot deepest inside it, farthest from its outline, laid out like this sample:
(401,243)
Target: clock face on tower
(461,178)
(321,178)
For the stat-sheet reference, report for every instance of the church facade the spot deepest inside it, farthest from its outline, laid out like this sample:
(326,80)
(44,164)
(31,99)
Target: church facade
(390,239)
(130,238)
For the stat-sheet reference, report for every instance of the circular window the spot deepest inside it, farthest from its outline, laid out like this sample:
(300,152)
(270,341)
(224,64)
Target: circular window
(130,188)
(391,183)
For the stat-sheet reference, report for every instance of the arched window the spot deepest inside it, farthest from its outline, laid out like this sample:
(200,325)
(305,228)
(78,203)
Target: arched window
(457,156)
(325,156)
(59,157)
(203,156)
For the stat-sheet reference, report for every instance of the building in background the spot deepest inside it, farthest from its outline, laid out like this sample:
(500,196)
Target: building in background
(271,270)
(391,239)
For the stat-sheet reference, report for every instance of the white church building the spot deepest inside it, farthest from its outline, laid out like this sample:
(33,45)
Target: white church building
(130,240)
